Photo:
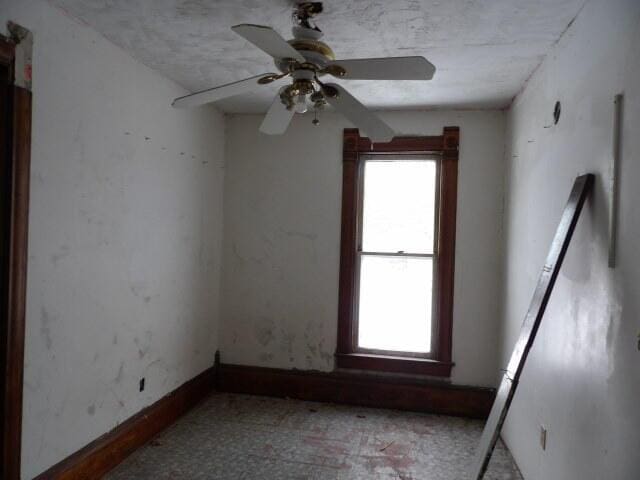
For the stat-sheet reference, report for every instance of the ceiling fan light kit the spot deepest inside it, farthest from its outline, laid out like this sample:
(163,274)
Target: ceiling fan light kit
(305,59)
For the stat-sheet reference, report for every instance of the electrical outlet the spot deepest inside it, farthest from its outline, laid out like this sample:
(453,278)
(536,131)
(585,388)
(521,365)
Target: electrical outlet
(142,384)
(543,437)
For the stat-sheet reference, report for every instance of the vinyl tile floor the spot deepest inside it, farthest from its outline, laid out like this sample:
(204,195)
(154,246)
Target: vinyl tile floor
(234,437)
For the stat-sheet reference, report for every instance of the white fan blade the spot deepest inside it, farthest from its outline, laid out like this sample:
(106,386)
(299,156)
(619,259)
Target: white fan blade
(217,93)
(390,68)
(268,40)
(359,115)
(277,118)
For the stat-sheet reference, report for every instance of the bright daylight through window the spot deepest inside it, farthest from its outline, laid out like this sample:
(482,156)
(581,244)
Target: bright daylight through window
(397,254)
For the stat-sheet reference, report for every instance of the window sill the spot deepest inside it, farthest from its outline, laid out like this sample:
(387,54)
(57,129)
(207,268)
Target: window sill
(388,363)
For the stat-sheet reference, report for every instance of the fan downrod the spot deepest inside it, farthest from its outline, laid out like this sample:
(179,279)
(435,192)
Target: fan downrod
(304,12)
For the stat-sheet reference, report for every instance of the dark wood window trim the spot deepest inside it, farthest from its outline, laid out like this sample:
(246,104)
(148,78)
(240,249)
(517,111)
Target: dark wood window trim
(15,148)
(354,147)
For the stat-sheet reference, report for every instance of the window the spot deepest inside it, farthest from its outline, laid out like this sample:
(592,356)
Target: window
(395,261)
(398,234)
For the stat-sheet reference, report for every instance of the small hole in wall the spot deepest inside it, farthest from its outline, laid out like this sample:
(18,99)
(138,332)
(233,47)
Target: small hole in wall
(142,384)
(556,112)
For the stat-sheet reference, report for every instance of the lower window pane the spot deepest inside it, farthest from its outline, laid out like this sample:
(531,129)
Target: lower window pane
(395,303)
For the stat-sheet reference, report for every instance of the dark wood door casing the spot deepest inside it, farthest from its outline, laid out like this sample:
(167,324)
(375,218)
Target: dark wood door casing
(15,148)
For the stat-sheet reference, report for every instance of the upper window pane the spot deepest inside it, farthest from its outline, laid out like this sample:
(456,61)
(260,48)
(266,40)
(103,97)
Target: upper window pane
(399,206)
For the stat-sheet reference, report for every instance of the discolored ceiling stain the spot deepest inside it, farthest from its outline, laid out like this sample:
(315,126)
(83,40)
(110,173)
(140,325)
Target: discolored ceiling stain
(483,50)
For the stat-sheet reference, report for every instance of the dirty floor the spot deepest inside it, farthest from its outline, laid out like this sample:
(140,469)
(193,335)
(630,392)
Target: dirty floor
(236,437)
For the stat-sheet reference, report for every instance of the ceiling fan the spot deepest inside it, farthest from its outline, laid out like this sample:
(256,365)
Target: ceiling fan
(305,59)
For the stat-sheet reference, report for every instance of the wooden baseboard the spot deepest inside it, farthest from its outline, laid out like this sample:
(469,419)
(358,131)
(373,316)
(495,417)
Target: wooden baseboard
(358,389)
(104,453)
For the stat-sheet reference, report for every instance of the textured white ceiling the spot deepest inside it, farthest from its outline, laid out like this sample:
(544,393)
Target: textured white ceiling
(484,50)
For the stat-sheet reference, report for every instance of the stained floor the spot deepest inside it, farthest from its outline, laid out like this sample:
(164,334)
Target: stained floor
(235,437)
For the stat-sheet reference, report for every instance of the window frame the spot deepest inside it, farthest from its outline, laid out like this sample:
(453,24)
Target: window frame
(356,150)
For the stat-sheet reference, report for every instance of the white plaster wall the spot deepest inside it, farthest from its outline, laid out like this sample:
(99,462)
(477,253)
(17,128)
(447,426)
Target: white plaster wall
(282,239)
(125,234)
(582,380)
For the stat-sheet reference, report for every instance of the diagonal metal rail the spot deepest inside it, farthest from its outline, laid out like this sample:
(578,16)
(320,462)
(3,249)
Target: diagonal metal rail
(579,193)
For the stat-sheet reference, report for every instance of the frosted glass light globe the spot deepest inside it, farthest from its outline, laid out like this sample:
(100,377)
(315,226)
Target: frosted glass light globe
(300,105)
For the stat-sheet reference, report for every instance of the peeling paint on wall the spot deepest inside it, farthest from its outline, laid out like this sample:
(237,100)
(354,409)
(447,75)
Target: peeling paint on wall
(23,55)
(107,261)
(582,379)
(282,241)
(45,328)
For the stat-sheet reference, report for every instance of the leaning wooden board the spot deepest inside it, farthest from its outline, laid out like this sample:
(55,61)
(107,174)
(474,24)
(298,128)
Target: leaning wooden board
(581,188)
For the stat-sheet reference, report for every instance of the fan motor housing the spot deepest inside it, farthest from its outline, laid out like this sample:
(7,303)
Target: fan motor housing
(314,51)
(304,45)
